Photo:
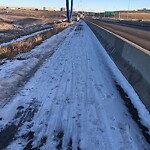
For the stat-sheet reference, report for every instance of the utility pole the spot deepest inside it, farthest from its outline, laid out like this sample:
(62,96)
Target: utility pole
(69,10)
(119,15)
(128,10)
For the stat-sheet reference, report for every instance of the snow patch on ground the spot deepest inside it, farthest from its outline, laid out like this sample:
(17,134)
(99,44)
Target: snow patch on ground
(75,102)
(25,37)
(13,71)
(143,112)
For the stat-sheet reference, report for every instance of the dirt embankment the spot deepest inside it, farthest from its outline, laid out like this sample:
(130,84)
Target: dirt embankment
(137,16)
(28,43)
(34,13)
(17,23)
(36,25)
(4,25)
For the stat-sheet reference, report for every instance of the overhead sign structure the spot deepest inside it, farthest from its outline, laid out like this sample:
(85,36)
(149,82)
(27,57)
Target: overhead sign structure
(69,10)
(109,13)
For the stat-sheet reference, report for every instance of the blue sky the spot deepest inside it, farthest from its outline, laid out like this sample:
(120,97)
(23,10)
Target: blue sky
(88,5)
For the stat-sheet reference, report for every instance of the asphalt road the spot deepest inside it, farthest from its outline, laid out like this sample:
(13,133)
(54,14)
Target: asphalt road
(132,24)
(137,36)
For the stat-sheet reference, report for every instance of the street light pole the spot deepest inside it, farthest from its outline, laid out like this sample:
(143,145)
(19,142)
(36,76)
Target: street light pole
(69,10)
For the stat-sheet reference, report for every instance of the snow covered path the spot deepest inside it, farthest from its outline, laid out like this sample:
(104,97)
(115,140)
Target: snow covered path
(71,102)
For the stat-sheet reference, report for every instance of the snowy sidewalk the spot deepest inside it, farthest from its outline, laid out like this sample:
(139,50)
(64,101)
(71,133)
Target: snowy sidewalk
(72,102)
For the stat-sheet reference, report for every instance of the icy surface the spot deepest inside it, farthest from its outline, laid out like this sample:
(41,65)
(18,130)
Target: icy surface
(13,71)
(74,102)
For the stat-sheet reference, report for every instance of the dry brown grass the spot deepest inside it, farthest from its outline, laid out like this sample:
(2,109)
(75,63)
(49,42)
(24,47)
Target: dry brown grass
(138,16)
(27,18)
(29,43)
(16,23)
(22,14)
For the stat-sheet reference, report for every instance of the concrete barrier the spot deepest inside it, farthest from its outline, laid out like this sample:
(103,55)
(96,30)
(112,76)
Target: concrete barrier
(132,60)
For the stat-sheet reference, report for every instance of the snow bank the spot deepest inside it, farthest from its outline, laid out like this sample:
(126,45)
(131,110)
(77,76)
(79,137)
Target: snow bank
(118,77)
(24,37)
(14,71)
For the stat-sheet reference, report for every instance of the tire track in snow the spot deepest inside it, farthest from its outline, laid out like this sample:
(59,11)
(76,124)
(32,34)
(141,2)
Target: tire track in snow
(80,106)
(56,86)
(56,103)
(58,111)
